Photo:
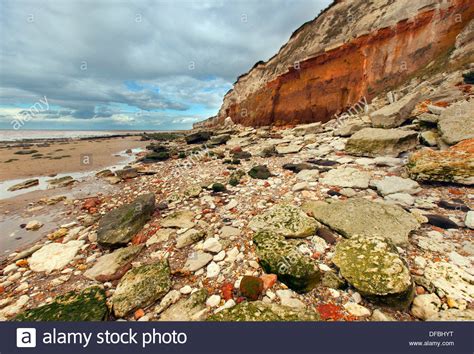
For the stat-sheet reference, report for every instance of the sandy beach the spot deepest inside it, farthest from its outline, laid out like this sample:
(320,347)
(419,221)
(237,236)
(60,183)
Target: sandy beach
(56,157)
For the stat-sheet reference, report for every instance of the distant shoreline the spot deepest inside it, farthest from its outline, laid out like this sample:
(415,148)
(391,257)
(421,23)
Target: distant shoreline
(71,135)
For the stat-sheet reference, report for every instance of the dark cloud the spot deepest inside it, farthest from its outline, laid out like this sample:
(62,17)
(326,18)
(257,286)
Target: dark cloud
(80,54)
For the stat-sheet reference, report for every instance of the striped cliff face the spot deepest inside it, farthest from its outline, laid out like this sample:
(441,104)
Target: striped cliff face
(330,63)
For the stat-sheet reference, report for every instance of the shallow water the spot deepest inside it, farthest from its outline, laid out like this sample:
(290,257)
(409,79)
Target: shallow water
(79,176)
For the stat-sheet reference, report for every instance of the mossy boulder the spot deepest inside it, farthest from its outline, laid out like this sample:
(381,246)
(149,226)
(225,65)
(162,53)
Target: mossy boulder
(258,311)
(140,287)
(218,187)
(117,227)
(251,287)
(235,177)
(88,305)
(286,220)
(373,266)
(278,256)
(260,172)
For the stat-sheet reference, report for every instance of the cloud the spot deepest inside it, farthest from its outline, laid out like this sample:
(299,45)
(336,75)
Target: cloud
(155,56)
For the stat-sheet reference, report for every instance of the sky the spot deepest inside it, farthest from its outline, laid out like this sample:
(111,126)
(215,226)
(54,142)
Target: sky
(133,65)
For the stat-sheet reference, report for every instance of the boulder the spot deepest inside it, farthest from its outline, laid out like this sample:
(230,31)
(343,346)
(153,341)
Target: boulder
(373,266)
(198,137)
(219,139)
(425,306)
(288,149)
(189,237)
(347,177)
(359,216)
(429,138)
(349,129)
(192,308)
(277,256)
(87,305)
(305,129)
(33,225)
(381,142)
(114,265)
(26,184)
(455,165)
(180,219)
(196,261)
(259,311)
(453,315)
(396,113)
(456,123)
(127,173)
(286,220)
(251,287)
(61,182)
(140,287)
(118,226)
(469,221)
(54,256)
(450,280)
(394,184)
(260,172)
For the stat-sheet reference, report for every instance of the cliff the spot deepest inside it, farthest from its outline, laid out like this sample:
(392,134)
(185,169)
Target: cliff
(353,49)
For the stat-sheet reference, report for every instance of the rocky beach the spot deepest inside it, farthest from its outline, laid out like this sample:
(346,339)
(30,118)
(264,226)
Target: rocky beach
(335,183)
(340,221)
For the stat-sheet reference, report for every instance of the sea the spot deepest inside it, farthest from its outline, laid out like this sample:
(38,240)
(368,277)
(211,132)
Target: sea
(18,135)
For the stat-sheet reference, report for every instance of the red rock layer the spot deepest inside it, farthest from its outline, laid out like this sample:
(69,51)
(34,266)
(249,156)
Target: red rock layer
(333,81)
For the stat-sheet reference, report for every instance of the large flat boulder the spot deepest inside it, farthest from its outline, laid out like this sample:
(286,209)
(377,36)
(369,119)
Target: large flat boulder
(114,265)
(141,287)
(278,256)
(347,177)
(359,216)
(54,256)
(455,165)
(118,226)
(381,142)
(456,123)
(286,220)
(396,113)
(373,266)
(182,219)
(259,311)
(88,305)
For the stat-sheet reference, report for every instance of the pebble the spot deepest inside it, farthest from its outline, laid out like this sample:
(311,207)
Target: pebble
(356,309)
(213,301)
(213,270)
(186,290)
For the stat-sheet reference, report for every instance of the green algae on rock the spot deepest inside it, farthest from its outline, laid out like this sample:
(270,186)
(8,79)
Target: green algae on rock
(260,172)
(88,305)
(373,266)
(286,220)
(118,226)
(277,256)
(140,287)
(259,311)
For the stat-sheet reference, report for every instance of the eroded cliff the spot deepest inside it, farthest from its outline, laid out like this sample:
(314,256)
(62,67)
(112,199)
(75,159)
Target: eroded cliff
(353,49)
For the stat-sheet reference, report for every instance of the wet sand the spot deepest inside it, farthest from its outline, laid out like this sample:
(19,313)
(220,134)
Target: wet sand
(64,156)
